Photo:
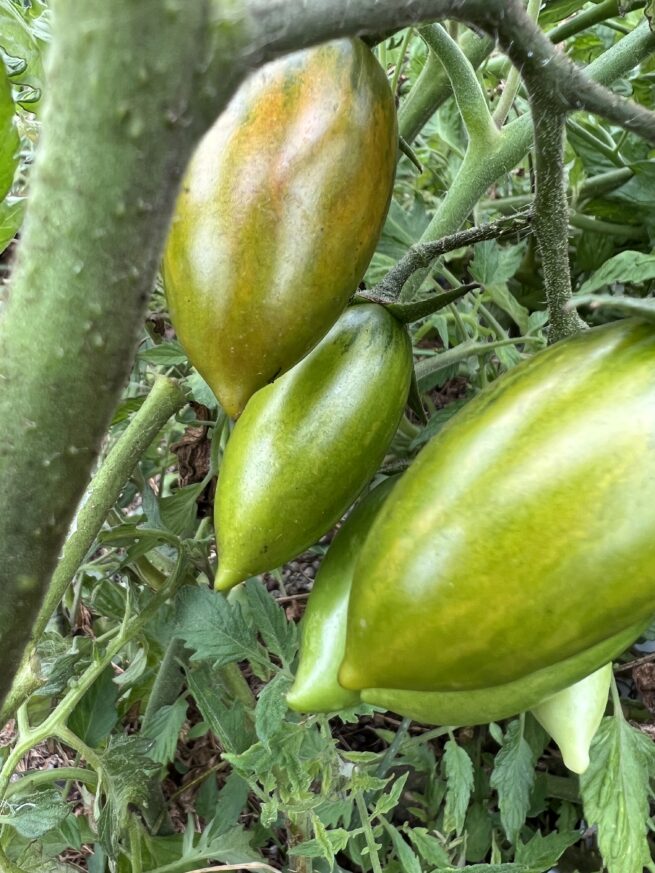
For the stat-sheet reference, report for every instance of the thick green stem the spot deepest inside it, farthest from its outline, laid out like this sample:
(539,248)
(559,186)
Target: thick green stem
(103,188)
(42,777)
(163,401)
(551,219)
(471,99)
(168,682)
(432,88)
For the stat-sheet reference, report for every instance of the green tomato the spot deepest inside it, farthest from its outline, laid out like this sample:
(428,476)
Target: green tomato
(279,214)
(570,715)
(323,625)
(522,536)
(308,444)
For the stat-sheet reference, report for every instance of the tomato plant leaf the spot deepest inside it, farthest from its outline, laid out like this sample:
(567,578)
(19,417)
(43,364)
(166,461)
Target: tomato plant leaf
(214,628)
(280,636)
(164,728)
(35,814)
(179,511)
(127,778)
(95,715)
(615,793)
(428,847)
(9,140)
(513,778)
(272,707)
(458,768)
(228,721)
(542,852)
(627,268)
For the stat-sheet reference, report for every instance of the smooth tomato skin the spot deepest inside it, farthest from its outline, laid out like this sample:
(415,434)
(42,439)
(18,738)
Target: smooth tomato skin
(484,705)
(279,215)
(323,625)
(306,445)
(523,533)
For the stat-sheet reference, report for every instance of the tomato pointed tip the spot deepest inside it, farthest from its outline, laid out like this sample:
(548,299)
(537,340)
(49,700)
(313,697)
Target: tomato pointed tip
(227,578)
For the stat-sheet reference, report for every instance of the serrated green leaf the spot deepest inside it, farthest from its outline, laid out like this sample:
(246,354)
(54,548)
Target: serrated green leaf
(479,832)
(213,628)
(615,793)
(232,798)
(428,847)
(95,715)
(513,778)
(506,301)
(9,141)
(494,264)
(280,635)
(389,800)
(272,707)
(127,779)
(628,268)
(459,776)
(12,211)
(542,853)
(33,815)
(167,354)
(179,511)
(135,670)
(409,862)
(229,721)
(164,729)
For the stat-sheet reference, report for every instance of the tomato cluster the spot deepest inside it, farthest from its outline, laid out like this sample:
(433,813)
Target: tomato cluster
(514,559)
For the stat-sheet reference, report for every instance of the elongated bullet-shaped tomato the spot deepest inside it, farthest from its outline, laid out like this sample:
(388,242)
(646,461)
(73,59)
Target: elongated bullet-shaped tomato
(307,445)
(567,698)
(279,214)
(523,533)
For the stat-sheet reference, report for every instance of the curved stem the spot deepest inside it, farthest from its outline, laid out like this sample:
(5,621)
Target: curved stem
(432,88)
(401,59)
(587,136)
(42,777)
(588,17)
(164,400)
(609,228)
(471,99)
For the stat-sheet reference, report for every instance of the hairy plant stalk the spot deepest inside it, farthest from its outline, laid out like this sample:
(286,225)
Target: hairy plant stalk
(102,191)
